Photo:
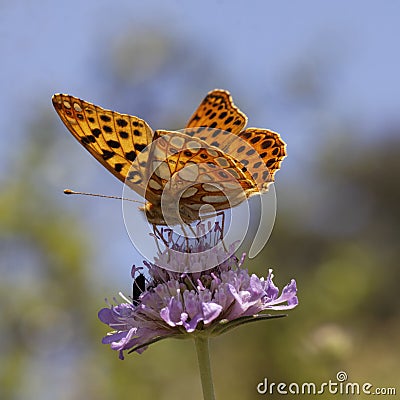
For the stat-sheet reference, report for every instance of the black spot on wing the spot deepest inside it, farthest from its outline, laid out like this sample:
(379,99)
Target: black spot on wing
(250,152)
(105,118)
(96,132)
(121,122)
(140,147)
(245,134)
(271,162)
(113,144)
(118,167)
(131,155)
(88,139)
(266,176)
(266,144)
(107,154)
(134,176)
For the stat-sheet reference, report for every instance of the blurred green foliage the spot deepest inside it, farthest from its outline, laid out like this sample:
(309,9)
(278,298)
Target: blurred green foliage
(344,255)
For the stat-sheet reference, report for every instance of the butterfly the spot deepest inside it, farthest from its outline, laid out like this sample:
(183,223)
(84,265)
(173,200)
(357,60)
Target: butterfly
(214,161)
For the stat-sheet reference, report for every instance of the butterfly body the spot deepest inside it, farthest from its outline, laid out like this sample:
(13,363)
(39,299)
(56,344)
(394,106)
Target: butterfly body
(212,162)
(157,217)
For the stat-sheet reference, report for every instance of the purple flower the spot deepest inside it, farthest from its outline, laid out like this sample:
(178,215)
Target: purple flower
(209,302)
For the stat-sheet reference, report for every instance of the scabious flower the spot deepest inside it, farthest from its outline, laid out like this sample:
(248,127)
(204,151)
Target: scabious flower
(189,304)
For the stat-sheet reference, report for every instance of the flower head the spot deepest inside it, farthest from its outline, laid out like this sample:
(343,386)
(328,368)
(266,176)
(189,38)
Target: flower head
(175,304)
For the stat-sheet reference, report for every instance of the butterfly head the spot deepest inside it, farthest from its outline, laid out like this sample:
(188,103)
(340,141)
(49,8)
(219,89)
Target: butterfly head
(154,214)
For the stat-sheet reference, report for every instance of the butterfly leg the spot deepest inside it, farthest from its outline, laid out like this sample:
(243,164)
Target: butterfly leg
(220,229)
(186,239)
(159,235)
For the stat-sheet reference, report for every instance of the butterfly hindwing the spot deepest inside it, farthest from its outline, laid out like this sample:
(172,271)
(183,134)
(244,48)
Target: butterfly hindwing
(197,173)
(261,151)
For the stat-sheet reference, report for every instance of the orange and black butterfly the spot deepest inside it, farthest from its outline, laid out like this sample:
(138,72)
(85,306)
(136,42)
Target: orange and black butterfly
(214,161)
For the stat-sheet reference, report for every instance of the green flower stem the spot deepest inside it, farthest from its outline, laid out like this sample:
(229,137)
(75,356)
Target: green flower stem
(203,356)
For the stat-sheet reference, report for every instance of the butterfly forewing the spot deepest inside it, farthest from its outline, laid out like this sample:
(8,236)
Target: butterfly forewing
(217,111)
(115,140)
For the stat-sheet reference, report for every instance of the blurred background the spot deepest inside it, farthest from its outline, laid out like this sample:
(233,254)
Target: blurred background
(323,74)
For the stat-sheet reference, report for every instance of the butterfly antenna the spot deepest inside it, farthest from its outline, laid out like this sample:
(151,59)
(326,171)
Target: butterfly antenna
(68,191)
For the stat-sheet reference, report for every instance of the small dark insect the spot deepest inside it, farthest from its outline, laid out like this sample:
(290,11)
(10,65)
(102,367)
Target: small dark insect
(138,287)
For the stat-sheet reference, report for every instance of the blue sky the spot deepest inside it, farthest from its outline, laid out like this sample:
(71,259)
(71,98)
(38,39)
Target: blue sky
(53,47)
